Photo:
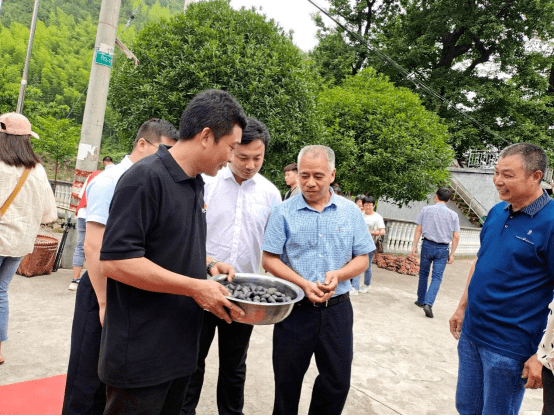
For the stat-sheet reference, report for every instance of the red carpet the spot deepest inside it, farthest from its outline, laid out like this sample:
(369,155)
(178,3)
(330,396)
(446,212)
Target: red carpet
(35,397)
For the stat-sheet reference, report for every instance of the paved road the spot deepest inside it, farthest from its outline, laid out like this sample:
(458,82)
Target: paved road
(404,363)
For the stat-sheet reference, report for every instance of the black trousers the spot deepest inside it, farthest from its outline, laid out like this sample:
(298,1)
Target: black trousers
(547,391)
(233,340)
(325,333)
(162,399)
(84,394)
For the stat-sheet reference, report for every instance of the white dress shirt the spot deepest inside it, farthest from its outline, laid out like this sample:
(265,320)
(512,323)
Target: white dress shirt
(236,216)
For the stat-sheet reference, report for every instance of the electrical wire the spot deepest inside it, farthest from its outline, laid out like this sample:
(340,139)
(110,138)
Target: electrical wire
(412,77)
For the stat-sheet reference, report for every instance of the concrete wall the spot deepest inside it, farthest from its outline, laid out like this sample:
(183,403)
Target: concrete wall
(409,213)
(478,182)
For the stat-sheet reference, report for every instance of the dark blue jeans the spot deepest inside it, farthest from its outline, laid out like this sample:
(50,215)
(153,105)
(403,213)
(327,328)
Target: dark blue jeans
(488,383)
(436,254)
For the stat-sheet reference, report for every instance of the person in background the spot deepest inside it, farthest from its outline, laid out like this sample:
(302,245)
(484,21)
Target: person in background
(291,179)
(359,200)
(317,241)
(81,213)
(503,311)
(376,226)
(107,161)
(439,225)
(84,392)
(26,200)
(238,203)
(545,354)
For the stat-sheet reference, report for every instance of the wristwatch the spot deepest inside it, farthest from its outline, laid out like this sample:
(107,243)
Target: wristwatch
(211,264)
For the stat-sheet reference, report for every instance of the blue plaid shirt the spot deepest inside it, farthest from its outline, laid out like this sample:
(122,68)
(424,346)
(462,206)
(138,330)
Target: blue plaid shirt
(312,243)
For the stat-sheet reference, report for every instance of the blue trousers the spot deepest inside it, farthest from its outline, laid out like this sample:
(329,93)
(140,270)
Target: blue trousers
(367,274)
(437,255)
(84,394)
(488,383)
(325,333)
(8,267)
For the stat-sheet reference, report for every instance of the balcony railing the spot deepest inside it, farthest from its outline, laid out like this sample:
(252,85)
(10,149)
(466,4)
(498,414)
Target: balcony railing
(399,238)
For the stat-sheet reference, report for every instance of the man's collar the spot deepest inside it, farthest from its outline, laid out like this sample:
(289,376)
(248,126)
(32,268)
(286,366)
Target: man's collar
(535,206)
(227,173)
(176,172)
(302,204)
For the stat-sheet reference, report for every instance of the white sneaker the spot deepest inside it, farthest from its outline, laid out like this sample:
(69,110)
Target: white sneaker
(73,285)
(353,292)
(364,289)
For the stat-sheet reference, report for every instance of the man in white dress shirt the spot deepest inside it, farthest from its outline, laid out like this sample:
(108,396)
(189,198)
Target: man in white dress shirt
(238,203)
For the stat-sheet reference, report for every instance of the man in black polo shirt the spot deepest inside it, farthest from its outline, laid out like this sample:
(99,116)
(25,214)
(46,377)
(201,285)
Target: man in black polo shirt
(154,254)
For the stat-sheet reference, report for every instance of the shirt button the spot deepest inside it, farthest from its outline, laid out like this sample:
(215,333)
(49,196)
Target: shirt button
(511,216)
(505,226)
(320,255)
(320,235)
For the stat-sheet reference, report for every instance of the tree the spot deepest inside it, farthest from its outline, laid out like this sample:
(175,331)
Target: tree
(214,46)
(59,139)
(475,54)
(386,141)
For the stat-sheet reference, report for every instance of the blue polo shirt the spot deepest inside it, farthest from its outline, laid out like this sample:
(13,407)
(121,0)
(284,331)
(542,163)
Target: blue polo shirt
(312,243)
(512,284)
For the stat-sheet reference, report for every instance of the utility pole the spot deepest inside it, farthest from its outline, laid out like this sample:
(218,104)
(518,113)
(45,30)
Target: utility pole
(23,86)
(95,108)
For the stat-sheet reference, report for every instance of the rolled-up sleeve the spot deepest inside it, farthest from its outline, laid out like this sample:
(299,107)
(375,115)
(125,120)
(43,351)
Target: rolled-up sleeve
(275,233)
(363,243)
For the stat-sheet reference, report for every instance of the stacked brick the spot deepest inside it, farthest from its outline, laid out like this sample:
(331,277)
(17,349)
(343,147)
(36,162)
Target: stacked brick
(401,264)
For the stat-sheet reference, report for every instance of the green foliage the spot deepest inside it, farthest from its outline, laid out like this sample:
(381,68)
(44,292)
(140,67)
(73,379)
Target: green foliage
(384,140)
(59,139)
(476,55)
(214,46)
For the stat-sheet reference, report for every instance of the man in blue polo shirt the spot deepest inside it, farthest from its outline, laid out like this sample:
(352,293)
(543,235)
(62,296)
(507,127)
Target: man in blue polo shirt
(319,241)
(504,307)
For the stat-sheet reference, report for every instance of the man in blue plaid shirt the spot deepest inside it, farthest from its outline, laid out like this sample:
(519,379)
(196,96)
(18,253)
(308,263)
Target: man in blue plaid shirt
(319,241)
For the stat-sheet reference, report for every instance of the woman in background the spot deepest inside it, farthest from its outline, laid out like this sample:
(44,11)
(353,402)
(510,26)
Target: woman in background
(22,211)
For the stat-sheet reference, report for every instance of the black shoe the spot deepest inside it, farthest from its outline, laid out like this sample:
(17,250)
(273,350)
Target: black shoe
(428,311)
(419,304)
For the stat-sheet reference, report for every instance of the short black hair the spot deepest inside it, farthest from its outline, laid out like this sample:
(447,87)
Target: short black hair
(533,156)
(153,129)
(368,200)
(255,130)
(443,194)
(215,109)
(291,167)
(107,159)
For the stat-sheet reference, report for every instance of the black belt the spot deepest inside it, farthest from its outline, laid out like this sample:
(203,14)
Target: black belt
(333,301)
(434,242)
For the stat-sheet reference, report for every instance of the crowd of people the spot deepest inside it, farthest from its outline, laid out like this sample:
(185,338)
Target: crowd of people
(190,202)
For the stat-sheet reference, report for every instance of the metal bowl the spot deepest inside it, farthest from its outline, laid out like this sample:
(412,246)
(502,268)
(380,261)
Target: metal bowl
(264,313)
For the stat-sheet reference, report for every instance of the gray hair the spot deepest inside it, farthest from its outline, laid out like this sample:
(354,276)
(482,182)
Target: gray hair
(317,150)
(532,156)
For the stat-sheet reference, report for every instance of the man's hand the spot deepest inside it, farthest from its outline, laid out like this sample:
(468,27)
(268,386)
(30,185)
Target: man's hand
(532,371)
(211,298)
(330,283)
(414,250)
(223,268)
(315,294)
(450,259)
(456,322)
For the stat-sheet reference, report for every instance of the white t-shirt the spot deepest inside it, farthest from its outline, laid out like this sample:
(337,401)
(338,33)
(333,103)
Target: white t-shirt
(374,222)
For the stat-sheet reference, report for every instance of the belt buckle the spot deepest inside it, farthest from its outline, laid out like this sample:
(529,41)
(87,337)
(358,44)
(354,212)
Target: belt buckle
(321,306)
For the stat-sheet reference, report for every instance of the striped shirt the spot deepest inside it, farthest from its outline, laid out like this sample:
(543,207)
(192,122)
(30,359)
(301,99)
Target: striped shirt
(438,223)
(312,243)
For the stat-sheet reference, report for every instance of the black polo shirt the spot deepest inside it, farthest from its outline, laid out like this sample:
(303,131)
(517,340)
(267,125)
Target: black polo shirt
(149,338)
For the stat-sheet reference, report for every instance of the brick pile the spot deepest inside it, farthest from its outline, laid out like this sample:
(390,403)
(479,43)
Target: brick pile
(401,264)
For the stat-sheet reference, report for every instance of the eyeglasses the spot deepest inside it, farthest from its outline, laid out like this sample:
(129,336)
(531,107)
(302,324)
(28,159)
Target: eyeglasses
(152,144)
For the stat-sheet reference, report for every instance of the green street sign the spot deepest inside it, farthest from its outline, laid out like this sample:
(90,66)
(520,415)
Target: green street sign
(103,58)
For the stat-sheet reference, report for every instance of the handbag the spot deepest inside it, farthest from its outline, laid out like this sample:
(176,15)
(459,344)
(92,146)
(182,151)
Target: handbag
(12,196)
(379,244)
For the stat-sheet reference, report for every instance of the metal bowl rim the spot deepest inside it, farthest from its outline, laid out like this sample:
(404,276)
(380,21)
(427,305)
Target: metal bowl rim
(299,297)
